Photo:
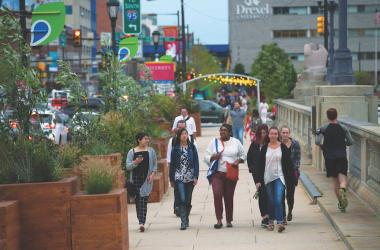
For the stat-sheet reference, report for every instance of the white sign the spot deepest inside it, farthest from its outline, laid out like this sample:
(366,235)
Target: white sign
(105,39)
(252,9)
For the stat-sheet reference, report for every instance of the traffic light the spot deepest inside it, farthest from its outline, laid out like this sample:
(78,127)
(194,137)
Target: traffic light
(321,25)
(77,38)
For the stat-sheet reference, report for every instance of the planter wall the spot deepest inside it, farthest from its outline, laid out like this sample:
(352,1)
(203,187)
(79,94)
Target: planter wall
(100,221)
(167,126)
(163,168)
(9,225)
(158,188)
(111,161)
(197,119)
(44,212)
(163,146)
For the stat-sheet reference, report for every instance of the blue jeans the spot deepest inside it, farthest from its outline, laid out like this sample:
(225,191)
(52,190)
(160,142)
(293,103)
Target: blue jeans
(185,193)
(275,193)
(238,133)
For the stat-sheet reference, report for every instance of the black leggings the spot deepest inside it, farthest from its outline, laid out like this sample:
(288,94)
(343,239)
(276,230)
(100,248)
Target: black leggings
(290,190)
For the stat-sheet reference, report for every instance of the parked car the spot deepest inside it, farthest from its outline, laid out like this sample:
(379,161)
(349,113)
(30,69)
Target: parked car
(211,111)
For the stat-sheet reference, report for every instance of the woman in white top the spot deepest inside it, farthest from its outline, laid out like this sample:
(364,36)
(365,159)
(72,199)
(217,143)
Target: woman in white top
(275,172)
(221,151)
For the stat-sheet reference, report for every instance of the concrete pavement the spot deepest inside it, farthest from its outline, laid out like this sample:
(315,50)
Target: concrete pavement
(309,228)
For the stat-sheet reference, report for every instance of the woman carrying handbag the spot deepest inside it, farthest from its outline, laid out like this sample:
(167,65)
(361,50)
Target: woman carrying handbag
(223,156)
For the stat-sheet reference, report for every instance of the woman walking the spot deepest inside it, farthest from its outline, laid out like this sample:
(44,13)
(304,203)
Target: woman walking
(184,172)
(253,157)
(224,155)
(275,168)
(295,155)
(142,165)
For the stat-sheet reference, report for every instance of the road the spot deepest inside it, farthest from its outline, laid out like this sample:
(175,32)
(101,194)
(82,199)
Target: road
(309,229)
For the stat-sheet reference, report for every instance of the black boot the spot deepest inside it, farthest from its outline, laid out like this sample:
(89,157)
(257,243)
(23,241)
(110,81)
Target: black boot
(183,213)
(188,209)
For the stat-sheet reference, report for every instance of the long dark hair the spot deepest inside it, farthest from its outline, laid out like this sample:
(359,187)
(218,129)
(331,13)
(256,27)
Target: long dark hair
(258,132)
(255,113)
(278,132)
(177,139)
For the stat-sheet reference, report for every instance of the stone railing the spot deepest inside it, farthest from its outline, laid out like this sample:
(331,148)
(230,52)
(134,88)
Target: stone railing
(364,155)
(364,161)
(298,118)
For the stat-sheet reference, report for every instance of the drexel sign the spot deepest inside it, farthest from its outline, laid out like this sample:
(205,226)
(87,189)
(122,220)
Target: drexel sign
(252,9)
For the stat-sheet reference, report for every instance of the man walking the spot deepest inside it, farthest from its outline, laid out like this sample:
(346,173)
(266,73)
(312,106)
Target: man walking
(333,138)
(237,116)
(190,123)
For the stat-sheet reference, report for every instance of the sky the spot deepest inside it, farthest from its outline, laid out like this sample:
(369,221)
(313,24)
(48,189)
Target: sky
(208,19)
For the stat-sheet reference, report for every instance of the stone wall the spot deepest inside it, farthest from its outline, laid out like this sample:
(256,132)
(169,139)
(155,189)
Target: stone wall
(364,155)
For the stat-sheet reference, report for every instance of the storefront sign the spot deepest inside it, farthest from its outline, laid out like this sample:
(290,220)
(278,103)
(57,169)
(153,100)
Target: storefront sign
(252,9)
(162,72)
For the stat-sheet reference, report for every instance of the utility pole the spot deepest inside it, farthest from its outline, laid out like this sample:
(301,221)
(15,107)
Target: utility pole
(343,73)
(23,27)
(183,43)
(326,28)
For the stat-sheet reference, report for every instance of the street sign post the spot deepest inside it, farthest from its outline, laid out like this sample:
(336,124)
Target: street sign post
(62,40)
(132,17)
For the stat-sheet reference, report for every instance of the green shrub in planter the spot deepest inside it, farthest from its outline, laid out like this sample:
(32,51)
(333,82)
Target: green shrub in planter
(99,180)
(24,161)
(69,156)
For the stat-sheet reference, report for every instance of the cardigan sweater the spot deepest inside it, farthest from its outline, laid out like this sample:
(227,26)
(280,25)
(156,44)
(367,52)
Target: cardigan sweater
(175,160)
(147,186)
(286,162)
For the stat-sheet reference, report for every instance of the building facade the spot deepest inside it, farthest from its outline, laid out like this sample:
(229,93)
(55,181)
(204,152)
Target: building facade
(293,23)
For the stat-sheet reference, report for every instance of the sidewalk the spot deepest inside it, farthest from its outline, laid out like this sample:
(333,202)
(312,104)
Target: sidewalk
(359,227)
(309,229)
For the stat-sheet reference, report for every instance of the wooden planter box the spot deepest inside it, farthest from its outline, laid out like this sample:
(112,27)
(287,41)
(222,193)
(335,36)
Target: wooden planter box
(9,225)
(44,212)
(162,167)
(111,161)
(197,119)
(163,146)
(100,221)
(167,126)
(158,188)
(156,144)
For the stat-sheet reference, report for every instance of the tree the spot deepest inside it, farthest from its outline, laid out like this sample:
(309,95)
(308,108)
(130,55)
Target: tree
(275,70)
(202,62)
(239,69)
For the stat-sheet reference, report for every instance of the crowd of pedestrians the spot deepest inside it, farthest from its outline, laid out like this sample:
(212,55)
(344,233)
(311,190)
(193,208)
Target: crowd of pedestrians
(273,159)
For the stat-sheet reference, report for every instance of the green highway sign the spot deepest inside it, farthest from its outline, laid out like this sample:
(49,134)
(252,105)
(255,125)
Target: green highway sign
(132,17)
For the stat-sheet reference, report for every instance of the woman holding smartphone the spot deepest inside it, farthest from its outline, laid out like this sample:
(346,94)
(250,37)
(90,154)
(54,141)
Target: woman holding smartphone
(142,165)
(184,172)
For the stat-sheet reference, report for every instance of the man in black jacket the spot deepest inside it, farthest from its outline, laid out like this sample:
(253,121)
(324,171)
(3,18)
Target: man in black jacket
(333,138)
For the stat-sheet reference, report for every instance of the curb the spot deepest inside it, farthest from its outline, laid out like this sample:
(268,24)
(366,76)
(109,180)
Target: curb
(331,220)
(335,226)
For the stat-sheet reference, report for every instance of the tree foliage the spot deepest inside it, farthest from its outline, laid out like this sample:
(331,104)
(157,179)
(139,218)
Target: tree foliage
(203,62)
(275,70)
(239,69)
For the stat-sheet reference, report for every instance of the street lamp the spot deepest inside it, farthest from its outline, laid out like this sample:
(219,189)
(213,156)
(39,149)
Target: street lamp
(156,39)
(113,9)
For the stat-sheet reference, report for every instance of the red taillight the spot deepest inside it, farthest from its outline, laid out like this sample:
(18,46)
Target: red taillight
(50,126)
(59,102)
